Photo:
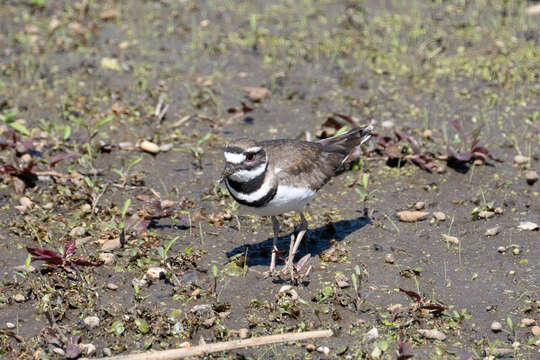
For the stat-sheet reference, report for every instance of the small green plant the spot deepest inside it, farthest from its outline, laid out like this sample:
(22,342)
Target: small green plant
(162,251)
(215,274)
(356,278)
(124,172)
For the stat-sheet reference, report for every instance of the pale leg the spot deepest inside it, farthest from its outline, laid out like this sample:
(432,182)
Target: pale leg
(275,225)
(295,243)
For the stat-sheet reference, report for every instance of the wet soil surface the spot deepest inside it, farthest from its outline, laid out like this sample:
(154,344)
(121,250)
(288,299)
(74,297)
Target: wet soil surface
(114,118)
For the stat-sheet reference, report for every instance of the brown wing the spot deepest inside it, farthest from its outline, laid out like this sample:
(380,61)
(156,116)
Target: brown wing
(302,163)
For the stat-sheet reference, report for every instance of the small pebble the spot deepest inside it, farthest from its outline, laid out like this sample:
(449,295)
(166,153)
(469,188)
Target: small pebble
(310,347)
(107,352)
(387,124)
(496,326)
(155,273)
(91,321)
(107,258)
(126,146)
(324,350)
(165,147)
(48,206)
(112,286)
(520,159)
(111,244)
(527,322)
(428,134)
(19,298)
(10,325)
(149,147)
(492,231)
(372,334)
(531,176)
(243,333)
(535,330)
(498,210)
(440,216)
(77,231)
(419,205)
(432,334)
(86,208)
(23,268)
(486,214)
(88,349)
(515,251)
(26,202)
(389,258)
(501,249)
(59,351)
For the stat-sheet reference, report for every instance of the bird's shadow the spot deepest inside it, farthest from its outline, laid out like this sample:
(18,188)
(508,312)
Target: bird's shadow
(315,241)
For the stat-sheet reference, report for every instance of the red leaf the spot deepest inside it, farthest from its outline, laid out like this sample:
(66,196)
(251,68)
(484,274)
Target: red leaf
(69,249)
(63,156)
(49,256)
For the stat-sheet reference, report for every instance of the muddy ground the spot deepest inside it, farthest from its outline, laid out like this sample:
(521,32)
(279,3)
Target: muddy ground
(83,83)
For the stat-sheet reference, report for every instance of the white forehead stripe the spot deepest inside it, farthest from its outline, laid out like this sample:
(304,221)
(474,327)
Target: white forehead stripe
(254,149)
(234,157)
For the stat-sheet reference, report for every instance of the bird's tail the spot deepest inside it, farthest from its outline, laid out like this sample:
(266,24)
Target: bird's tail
(347,141)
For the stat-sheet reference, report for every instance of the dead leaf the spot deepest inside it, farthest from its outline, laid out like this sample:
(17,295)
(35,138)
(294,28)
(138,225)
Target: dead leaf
(411,216)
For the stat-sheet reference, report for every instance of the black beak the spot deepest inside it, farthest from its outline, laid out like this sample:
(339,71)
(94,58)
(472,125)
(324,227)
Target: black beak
(229,170)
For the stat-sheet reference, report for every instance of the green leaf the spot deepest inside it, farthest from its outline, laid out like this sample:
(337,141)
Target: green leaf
(510,323)
(169,244)
(20,128)
(204,139)
(142,325)
(125,208)
(118,327)
(67,132)
(104,121)
(328,291)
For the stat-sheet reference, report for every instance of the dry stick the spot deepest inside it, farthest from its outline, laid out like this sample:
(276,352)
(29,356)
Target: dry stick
(223,346)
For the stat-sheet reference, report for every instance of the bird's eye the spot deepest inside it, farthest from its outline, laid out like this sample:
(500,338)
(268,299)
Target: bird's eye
(250,156)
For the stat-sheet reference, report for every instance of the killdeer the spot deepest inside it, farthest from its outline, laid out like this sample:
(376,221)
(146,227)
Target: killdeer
(272,177)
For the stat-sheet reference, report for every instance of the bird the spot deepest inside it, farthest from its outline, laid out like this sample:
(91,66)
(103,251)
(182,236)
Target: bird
(273,177)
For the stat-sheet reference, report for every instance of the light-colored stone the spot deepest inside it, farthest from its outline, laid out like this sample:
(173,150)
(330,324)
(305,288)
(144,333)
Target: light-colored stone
(155,273)
(439,216)
(496,326)
(501,249)
(77,231)
(451,239)
(389,258)
(531,176)
(492,231)
(91,322)
(88,349)
(527,322)
(86,208)
(107,258)
(432,334)
(484,214)
(420,205)
(112,286)
(243,333)
(19,298)
(324,350)
(411,216)
(535,330)
(10,325)
(25,202)
(372,334)
(521,159)
(58,351)
(149,147)
(111,244)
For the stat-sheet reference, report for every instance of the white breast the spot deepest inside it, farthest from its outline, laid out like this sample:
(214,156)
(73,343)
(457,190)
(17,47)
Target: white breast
(288,198)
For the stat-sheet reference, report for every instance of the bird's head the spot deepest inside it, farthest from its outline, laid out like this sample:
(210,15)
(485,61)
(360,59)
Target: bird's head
(245,159)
